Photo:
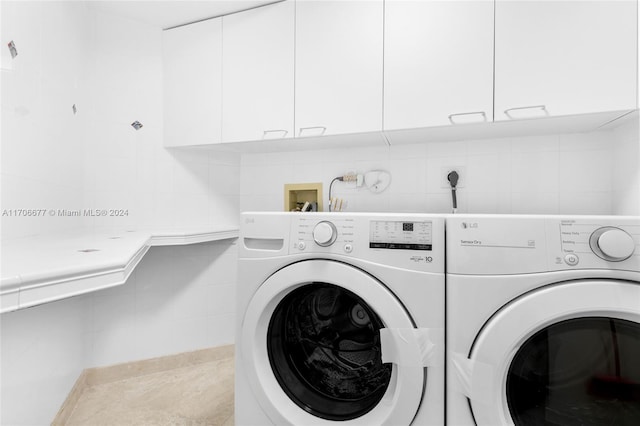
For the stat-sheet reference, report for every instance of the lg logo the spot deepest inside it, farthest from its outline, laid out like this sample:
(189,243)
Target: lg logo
(467,225)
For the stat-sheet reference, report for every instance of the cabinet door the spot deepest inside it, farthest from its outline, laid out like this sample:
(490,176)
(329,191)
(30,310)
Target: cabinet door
(257,70)
(438,63)
(564,57)
(338,87)
(192,64)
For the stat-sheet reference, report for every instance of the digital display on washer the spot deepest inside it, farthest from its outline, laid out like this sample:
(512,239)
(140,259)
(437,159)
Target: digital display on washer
(399,235)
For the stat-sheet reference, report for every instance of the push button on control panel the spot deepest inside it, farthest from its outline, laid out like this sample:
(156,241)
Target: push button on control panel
(302,245)
(348,248)
(571,259)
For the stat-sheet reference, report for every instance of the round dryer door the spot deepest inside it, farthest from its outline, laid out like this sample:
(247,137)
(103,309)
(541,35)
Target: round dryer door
(311,341)
(566,354)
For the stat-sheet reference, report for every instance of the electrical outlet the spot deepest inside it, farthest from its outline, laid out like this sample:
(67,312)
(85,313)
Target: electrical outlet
(462,176)
(350,179)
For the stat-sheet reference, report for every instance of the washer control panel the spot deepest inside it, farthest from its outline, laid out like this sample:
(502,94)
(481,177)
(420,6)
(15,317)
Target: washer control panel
(401,235)
(411,241)
(323,234)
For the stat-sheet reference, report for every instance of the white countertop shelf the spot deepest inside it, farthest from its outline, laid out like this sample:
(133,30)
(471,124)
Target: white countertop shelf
(42,269)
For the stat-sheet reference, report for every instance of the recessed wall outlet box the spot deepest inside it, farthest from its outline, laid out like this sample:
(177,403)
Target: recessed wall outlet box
(462,176)
(297,195)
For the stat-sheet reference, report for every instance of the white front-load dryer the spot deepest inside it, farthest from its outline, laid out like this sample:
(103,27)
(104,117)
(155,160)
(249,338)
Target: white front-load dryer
(543,320)
(341,319)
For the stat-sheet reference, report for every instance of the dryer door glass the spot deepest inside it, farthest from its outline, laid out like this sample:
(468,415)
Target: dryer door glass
(583,371)
(324,348)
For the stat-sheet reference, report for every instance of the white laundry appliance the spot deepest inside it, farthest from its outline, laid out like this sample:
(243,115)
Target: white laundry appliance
(340,319)
(543,320)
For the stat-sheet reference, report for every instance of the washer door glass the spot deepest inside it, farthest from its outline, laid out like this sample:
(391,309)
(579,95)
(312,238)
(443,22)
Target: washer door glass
(582,371)
(323,343)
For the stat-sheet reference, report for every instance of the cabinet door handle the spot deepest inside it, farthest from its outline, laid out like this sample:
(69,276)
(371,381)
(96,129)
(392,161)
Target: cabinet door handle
(267,132)
(460,114)
(542,108)
(302,129)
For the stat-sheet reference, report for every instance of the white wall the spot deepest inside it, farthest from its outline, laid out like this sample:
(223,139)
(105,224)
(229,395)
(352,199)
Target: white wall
(130,169)
(42,355)
(557,174)
(626,172)
(111,69)
(178,298)
(42,142)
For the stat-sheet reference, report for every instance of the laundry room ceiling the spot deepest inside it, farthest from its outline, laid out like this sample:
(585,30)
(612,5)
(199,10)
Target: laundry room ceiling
(166,14)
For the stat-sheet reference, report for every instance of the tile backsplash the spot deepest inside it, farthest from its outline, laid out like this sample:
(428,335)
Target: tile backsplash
(42,145)
(110,69)
(550,174)
(626,170)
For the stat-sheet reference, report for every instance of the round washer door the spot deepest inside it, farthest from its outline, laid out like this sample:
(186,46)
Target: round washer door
(565,354)
(311,348)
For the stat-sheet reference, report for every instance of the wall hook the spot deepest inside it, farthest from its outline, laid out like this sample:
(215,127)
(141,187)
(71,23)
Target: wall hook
(12,49)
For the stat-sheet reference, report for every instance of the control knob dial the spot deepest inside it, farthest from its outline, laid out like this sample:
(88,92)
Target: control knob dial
(612,244)
(324,233)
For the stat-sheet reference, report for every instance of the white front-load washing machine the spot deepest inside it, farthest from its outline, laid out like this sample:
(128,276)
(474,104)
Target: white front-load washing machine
(340,319)
(543,320)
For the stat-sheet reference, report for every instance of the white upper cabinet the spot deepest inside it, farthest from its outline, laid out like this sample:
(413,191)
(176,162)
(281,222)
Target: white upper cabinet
(309,68)
(564,57)
(438,63)
(192,66)
(338,77)
(257,70)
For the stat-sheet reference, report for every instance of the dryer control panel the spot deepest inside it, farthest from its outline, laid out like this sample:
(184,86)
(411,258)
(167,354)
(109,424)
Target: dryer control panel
(513,244)
(608,240)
